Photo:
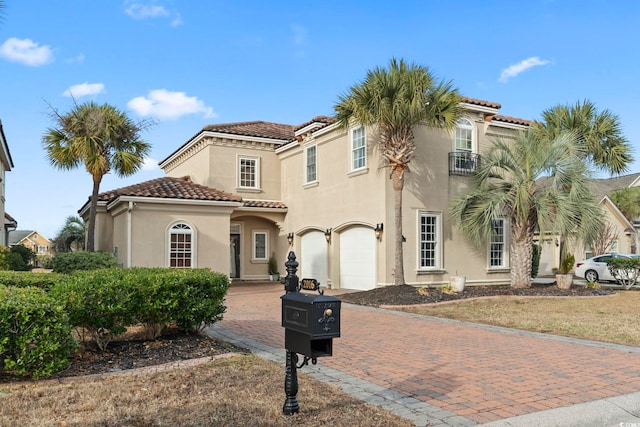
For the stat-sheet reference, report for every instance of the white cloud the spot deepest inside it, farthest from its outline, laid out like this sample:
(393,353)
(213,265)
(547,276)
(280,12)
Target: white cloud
(515,69)
(26,52)
(141,11)
(163,104)
(149,164)
(78,59)
(84,89)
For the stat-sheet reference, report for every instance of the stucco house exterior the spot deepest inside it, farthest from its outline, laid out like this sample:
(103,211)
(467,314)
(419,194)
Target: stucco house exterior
(6,164)
(237,193)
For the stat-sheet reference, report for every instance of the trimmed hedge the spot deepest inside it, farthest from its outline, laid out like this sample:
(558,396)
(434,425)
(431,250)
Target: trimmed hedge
(22,279)
(105,302)
(68,262)
(35,335)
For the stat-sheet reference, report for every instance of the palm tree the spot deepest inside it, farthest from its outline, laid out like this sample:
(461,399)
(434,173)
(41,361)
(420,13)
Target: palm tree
(100,137)
(628,201)
(600,133)
(537,187)
(393,100)
(71,235)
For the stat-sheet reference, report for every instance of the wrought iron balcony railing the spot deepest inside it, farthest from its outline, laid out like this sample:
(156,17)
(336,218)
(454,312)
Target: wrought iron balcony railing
(463,163)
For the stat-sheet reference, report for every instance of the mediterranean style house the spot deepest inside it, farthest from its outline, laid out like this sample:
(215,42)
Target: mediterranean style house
(236,194)
(6,163)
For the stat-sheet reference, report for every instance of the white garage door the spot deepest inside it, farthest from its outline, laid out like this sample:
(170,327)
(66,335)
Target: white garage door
(313,259)
(358,258)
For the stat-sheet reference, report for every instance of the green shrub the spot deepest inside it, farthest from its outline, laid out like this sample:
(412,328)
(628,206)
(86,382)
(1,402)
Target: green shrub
(200,297)
(626,271)
(567,264)
(68,262)
(535,260)
(99,301)
(23,279)
(20,258)
(35,335)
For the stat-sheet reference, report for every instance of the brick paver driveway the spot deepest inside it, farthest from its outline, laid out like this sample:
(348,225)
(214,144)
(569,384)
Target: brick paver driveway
(478,372)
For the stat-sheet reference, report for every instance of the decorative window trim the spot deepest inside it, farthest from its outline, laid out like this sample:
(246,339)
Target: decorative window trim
(181,228)
(437,236)
(307,150)
(254,246)
(465,124)
(256,172)
(361,158)
(505,247)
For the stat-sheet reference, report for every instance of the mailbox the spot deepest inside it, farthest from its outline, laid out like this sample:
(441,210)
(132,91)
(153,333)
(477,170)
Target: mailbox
(311,322)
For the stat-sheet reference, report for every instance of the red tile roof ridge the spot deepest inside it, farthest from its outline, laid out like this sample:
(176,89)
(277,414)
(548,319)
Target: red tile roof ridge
(481,102)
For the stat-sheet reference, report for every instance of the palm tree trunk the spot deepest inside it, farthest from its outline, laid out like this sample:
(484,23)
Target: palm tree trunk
(92,214)
(521,256)
(397,177)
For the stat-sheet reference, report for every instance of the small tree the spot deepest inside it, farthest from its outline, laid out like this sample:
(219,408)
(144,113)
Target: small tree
(602,242)
(21,258)
(626,271)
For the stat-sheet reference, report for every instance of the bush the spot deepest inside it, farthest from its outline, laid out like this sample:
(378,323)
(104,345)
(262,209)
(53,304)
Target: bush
(626,271)
(35,335)
(567,264)
(535,260)
(68,262)
(99,301)
(22,279)
(21,258)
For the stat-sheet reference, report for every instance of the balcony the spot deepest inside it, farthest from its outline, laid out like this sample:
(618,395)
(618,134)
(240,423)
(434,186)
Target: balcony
(463,163)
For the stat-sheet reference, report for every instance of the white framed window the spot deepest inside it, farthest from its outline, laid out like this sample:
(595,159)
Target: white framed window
(498,248)
(43,249)
(311,164)
(358,149)
(181,238)
(464,145)
(260,245)
(429,238)
(248,172)
(614,247)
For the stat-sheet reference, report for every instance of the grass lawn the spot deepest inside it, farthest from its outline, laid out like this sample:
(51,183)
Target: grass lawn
(611,319)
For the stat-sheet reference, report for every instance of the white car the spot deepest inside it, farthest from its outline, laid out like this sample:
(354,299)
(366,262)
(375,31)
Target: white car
(595,269)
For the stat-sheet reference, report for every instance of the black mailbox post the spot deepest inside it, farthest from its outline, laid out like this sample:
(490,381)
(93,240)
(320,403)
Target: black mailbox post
(311,323)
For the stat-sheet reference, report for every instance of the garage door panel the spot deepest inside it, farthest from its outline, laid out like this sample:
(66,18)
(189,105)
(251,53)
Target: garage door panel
(358,258)
(313,259)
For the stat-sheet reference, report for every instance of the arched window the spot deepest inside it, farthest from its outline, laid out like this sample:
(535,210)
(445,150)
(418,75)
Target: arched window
(181,246)
(463,136)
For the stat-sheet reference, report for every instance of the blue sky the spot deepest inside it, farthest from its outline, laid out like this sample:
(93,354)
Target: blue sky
(189,63)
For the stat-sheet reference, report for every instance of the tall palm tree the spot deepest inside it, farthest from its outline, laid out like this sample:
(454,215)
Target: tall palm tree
(71,235)
(599,132)
(537,187)
(100,137)
(392,101)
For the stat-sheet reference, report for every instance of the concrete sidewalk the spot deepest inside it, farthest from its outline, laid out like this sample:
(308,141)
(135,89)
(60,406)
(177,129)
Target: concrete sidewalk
(442,372)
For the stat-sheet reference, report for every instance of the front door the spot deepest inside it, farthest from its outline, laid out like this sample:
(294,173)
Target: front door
(234,247)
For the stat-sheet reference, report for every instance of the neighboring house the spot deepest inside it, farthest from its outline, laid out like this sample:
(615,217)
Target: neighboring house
(6,163)
(237,193)
(40,245)
(625,230)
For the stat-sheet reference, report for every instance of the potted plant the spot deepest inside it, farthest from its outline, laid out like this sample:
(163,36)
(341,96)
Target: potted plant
(564,278)
(457,282)
(272,265)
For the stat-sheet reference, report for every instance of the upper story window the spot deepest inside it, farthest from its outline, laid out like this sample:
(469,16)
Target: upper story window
(311,161)
(248,172)
(43,249)
(463,136)
(181,238)
(498,254)
(429,247)
(463,160)
(358,149)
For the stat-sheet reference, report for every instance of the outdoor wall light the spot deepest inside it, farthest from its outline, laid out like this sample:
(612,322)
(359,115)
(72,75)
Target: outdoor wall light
(290,238)
(378,230)
(327,235)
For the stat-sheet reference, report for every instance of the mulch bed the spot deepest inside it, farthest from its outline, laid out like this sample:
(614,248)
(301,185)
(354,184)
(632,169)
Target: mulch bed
(408,295)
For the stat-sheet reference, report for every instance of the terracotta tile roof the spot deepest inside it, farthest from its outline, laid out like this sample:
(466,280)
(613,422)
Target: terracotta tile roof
(264,204)
(326,120)
(507,119)
(481,102)
(170,188)
(255,128)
